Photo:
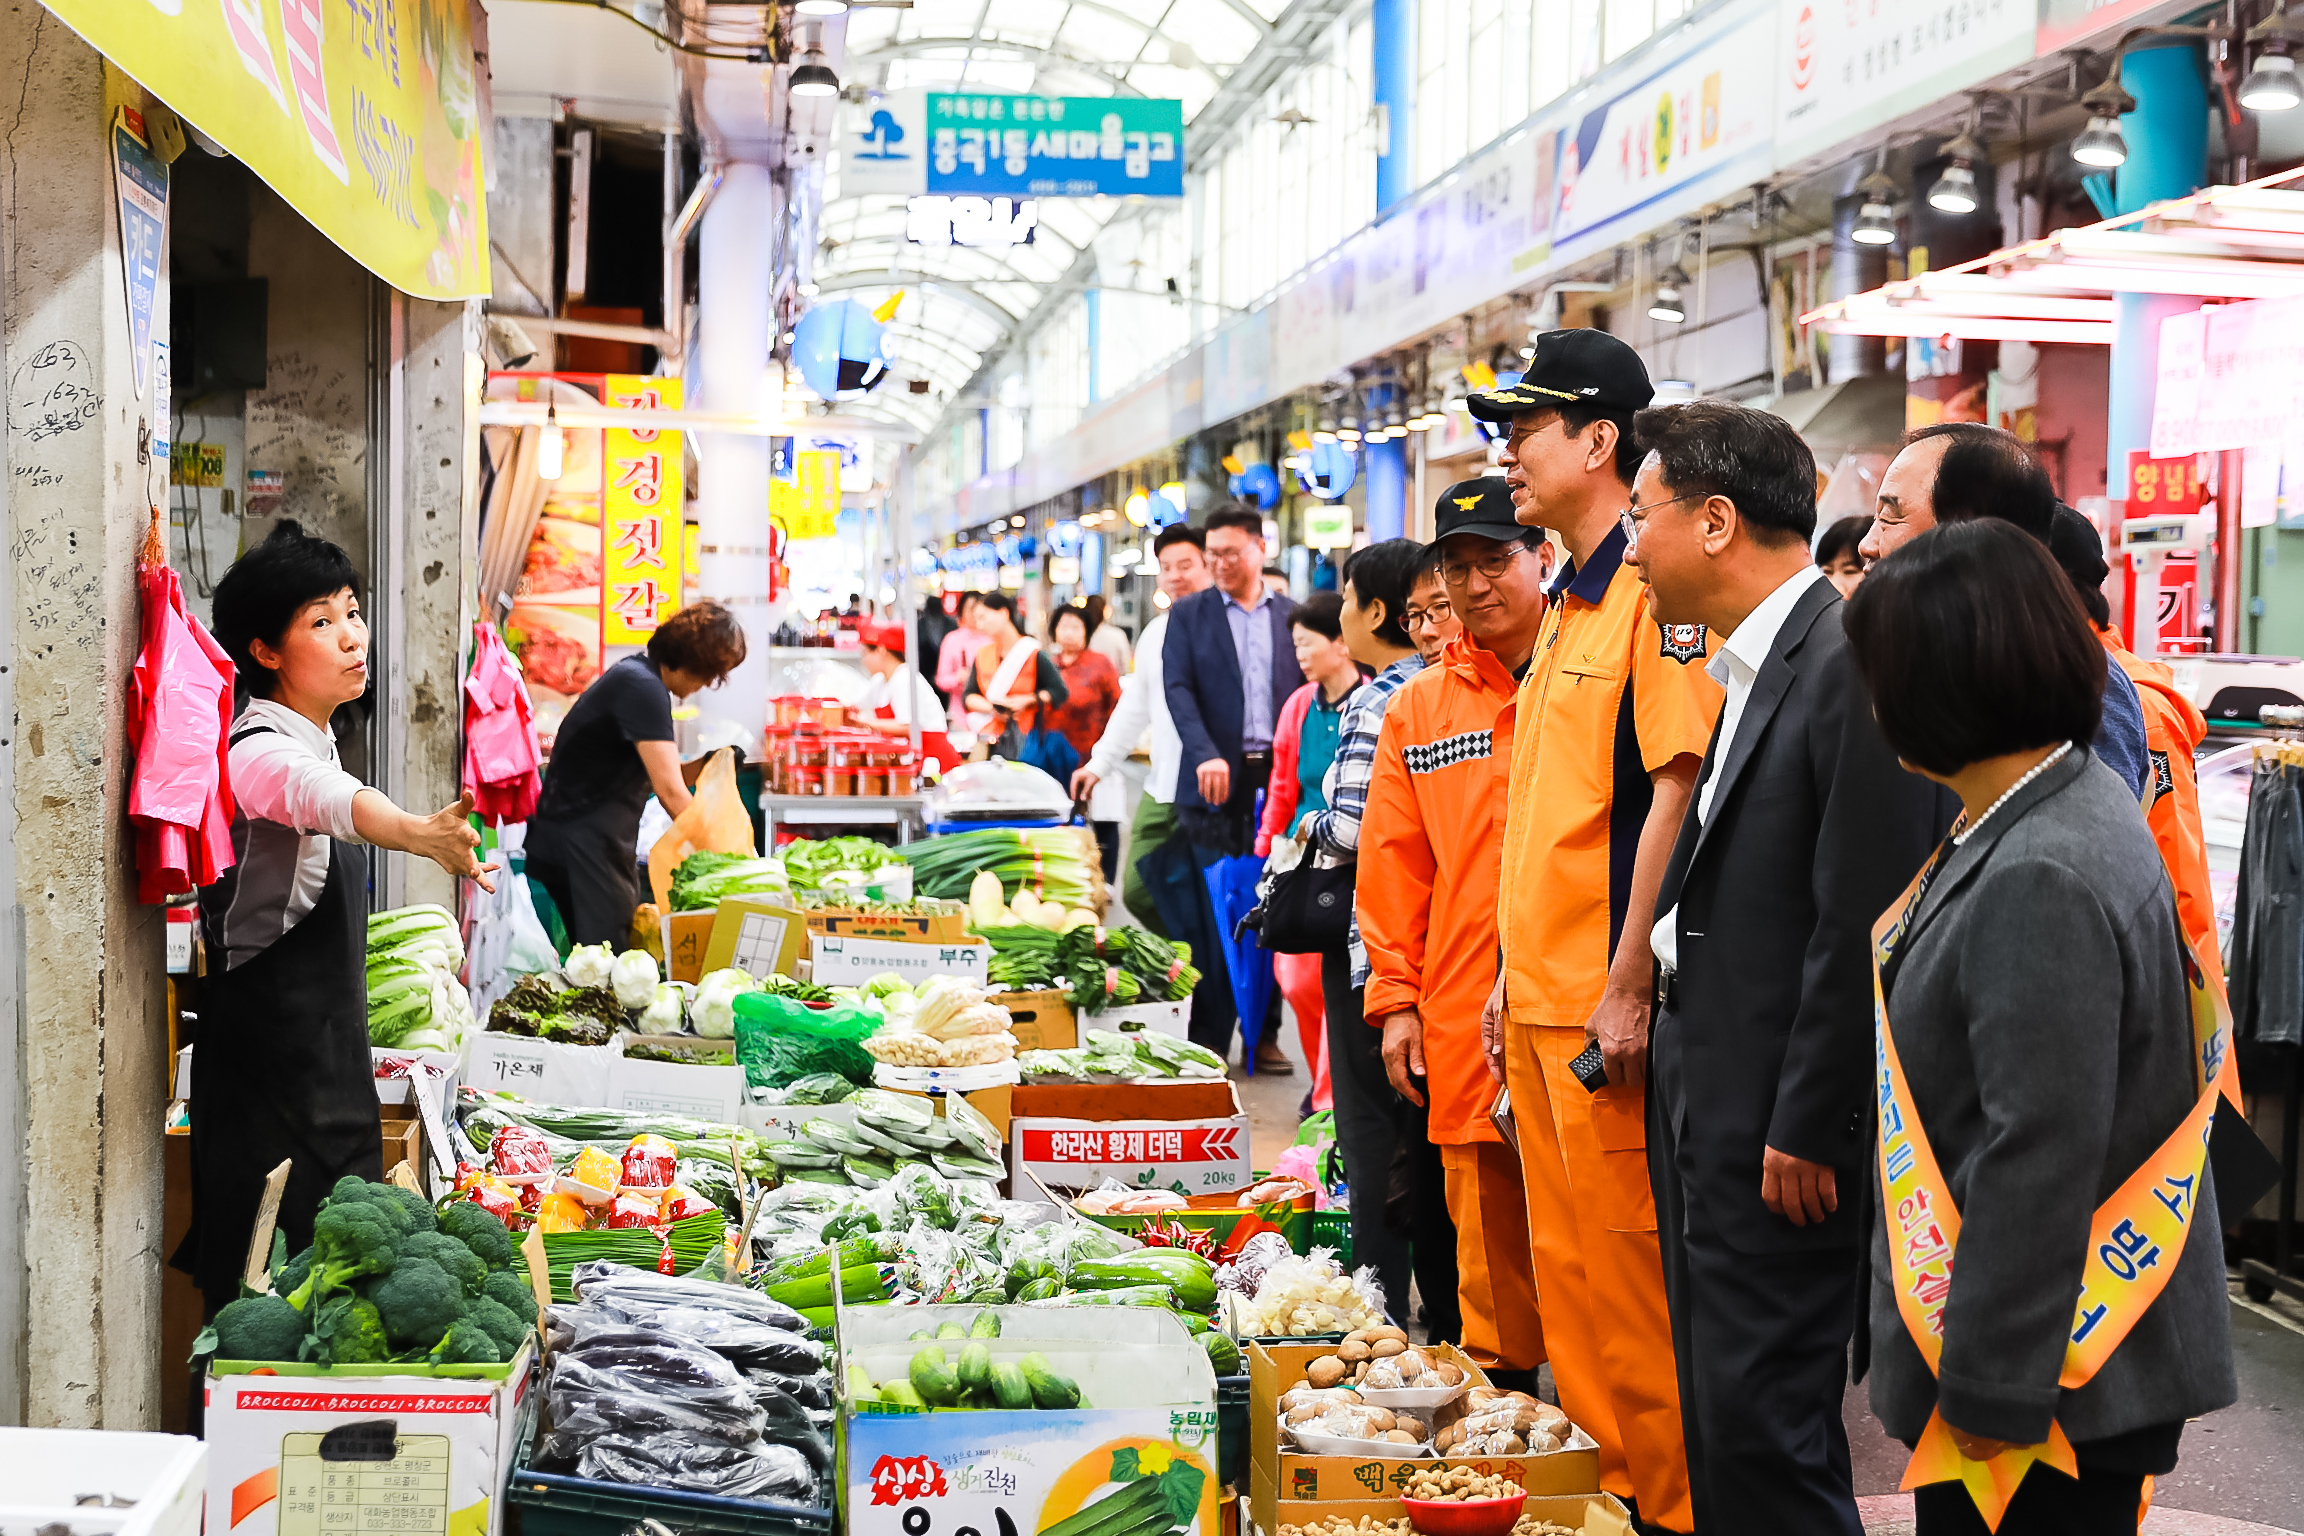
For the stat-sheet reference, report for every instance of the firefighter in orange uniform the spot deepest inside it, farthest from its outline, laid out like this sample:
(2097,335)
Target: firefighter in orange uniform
(1611,725)
(1434,821)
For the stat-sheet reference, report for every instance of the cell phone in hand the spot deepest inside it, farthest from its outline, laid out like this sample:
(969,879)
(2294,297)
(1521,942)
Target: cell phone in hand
(1590,1070)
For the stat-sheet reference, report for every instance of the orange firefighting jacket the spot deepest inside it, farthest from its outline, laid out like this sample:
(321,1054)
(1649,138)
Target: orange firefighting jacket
(2173,729)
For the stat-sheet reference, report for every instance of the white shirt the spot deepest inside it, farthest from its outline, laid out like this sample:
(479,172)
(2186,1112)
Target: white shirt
(1143,704)
(1113,645)
(883,690)
(1734,667)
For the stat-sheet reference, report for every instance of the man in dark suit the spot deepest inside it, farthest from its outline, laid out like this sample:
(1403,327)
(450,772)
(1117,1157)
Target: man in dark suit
(1228,664)
(1803,830)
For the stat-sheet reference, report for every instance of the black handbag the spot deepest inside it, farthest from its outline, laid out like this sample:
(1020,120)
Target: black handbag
(1307,910)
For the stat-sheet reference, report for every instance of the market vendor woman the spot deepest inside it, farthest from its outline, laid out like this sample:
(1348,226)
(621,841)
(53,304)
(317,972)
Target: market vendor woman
(281,1071)
(616,748)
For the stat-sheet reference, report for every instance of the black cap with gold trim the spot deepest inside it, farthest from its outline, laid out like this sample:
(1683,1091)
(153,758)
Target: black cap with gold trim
(1579,367)
(1482,507)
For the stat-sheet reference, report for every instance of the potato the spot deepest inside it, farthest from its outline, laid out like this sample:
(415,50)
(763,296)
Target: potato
(1445,1439)
(1304,1413)
(1448,1375)
(1415,1427)
(1402,1437)
(1386,1331)
(1326,1371)
(1541,1442)
(1379,1418)
(1352,1351)
(1385,1349)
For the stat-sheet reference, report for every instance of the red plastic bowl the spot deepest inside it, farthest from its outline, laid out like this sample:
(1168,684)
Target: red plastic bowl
(1465,1517)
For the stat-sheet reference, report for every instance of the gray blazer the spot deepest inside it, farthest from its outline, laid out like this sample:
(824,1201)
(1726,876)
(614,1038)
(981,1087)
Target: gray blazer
(2039,1010)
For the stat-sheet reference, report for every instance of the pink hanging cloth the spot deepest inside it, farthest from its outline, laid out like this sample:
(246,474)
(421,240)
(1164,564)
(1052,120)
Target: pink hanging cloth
(179,724)
(501,757)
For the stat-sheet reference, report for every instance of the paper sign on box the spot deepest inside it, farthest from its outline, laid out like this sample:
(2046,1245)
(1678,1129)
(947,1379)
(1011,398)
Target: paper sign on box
(544,1070)
(841,961)
(761,938)
(676,1088)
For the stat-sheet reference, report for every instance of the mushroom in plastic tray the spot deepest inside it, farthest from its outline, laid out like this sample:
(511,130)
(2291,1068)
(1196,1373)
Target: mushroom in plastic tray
(1388,1371)
(1338,1422)
(1494,1422)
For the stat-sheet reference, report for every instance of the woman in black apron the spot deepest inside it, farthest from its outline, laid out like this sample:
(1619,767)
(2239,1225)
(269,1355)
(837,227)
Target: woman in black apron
(280,1065)
(616,747)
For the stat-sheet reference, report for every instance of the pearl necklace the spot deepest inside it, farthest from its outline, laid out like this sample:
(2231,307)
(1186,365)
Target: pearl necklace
(2037,769)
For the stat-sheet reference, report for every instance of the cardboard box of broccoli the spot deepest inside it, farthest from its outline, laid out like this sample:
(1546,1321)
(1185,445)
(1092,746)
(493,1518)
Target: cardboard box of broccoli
(379,1380)
(1073,1400)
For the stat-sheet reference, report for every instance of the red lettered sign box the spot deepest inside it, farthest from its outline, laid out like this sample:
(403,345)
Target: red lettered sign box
(1188,1137)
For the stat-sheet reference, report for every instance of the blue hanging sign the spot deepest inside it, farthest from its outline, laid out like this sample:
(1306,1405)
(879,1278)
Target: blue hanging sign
(1055,146)
(143,183)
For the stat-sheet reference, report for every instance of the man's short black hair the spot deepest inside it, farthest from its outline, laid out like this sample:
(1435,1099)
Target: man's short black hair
(1387,573)
(1972,645)
(1715,448)
(1844,537)
(1322,613)
(1178,533)
(1988,472)
(1234,514)
(259,597)
(1576,418)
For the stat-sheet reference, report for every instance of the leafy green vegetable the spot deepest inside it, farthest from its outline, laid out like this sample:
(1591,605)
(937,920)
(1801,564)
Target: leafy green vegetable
(807,861)
(703,880)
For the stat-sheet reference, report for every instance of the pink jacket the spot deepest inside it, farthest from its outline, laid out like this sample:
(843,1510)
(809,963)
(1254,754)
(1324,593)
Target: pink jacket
(1283,792)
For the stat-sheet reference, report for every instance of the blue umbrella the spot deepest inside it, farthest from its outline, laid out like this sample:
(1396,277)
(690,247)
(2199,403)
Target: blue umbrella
(1232,895)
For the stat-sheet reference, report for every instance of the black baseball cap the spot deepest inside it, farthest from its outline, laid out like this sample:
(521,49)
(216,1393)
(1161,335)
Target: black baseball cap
(1579,367)
(1482,507)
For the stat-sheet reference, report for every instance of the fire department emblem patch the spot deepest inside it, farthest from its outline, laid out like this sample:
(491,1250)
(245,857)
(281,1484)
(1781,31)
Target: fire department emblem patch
(1683,642)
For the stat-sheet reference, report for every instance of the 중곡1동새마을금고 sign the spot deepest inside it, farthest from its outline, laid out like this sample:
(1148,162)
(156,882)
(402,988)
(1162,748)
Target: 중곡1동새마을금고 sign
(1054,146)
(364,116)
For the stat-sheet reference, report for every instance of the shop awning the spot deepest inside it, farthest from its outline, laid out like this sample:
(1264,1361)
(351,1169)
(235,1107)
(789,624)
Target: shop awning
(2244,242)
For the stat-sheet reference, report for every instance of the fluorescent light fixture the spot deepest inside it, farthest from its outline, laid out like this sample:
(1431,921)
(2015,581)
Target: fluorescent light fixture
(820,8)
(1423,423)
(813,77)
(1956,191)
(1666,304)
(1139,509)
(2100,144)
(552,448)
(1875,224)
(1973,328)
(2271,86)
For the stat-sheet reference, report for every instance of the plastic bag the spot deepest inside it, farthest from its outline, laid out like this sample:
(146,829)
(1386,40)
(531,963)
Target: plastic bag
(715,822)
(780,1040)
(764,1472)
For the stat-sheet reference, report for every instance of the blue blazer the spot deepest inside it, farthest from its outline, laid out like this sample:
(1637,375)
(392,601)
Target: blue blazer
(1201,671)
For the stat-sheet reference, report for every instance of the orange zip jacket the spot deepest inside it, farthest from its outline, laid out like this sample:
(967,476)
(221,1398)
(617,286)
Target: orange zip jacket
(1434,825)
(2173,731)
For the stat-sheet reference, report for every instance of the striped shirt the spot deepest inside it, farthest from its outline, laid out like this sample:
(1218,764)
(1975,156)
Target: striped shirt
(1335,830)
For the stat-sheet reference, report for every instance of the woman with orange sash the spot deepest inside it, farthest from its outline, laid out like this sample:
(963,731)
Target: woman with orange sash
(2046,1083)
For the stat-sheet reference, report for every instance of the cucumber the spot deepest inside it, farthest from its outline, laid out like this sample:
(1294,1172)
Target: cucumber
(1009,1387)
(1049,1389)
(860,1385)
(933,1378)
(862,1282)
(986,1325)
(902,1393)
(976,1367)
(1112,1513)
(952,1330)
(851,1252)
(1190,1276)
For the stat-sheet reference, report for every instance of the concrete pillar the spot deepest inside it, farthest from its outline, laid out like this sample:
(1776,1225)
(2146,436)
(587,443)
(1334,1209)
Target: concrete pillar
(734,277)
(435,403)
(2167,134)
(83,1045)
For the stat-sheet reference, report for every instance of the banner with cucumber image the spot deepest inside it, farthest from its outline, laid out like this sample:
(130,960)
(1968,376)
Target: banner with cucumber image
(1160,1487)
(1038,1474)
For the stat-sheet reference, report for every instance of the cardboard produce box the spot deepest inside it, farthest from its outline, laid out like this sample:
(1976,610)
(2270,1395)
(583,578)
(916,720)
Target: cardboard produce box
(922,928)
(1153,1415)
(686,936)
(1190,1136)
(543,1070)
(847,962)
(1040,1021)
(694,1088)
(1162,1018)
(1589,1514)
(311,1449)
(1296,1478)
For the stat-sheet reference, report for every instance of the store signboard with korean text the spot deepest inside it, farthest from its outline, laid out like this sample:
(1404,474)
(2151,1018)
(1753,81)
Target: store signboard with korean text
(641,543)
(2229,377)
(365,117)
(807,506)
(1842,67)
(1053,146)
(1700,118)
(2163,487)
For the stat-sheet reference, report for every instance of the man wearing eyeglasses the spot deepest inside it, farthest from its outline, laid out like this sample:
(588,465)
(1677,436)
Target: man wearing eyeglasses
(1610,724)
(1429,620)
(1434,821)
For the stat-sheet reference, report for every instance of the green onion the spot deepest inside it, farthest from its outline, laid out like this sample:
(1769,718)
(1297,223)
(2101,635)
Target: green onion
(1055,863)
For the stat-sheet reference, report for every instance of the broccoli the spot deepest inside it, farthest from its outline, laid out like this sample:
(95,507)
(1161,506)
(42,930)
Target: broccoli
(348,1241)
(418,1302)
(511,1292)
(482,1232)
(449,1254)
(468,1343)
(504,1325)
(259,1328)
(358,1192)
(415,1206)
(347,1331)
(289,1277)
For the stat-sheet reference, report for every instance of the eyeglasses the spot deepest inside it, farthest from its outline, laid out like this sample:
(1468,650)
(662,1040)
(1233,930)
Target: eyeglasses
(1416,618)
(1492,567)
(1630,523)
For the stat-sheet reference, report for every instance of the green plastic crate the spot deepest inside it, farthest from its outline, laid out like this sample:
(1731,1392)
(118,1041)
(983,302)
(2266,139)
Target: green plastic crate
(551,1504)
(1333,1229)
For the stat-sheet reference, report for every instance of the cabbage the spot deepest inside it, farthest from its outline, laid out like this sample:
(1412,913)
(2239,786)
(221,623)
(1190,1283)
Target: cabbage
(589,965)
(715,1011)
(662,1016)
(703,880)
(633,978)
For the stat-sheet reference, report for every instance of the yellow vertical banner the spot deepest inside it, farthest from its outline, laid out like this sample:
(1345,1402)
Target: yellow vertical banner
(808,505)
(641,535)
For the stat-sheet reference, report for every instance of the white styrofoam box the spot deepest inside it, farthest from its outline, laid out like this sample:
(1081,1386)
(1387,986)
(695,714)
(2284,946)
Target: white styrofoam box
(544,1070)
(676,1088)
(841,961)
(156,1481)
(1166,1018)
(183,1074)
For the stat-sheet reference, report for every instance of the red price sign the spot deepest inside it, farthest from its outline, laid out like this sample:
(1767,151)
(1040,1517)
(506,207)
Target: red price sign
(2162,487)
(902,1479)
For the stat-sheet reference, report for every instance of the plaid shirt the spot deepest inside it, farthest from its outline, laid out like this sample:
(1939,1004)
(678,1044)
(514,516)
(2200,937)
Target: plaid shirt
(1335,831)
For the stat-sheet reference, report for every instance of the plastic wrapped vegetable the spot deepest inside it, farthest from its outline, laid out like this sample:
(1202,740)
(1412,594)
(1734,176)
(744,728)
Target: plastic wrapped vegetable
(663,1015)
(716,998)
(633,978)
(589,965)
